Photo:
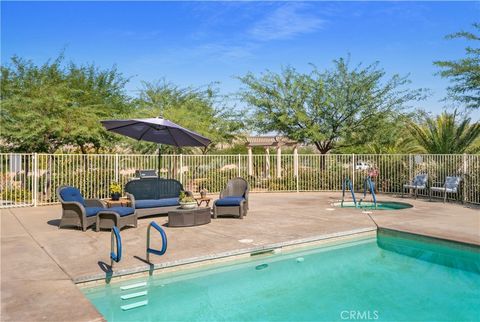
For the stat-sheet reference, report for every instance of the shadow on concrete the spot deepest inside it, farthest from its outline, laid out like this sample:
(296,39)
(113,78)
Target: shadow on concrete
(54,222)
(151,266)
(107,269)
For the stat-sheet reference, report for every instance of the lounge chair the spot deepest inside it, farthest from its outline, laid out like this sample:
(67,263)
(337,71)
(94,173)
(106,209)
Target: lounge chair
(451,185)
(418,183)
(233,199)
(80,212)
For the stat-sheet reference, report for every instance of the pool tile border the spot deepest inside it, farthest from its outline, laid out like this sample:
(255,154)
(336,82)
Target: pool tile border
(216,258)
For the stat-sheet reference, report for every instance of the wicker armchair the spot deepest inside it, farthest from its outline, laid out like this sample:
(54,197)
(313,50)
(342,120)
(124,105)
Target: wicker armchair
(233,199)
(77,211)
(83,213)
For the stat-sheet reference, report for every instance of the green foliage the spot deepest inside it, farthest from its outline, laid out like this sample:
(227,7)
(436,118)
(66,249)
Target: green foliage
(216,180)
(464,73)
(16,194)
(115,187)
(183,197)
(391,137)
(331,109)
(447,133)
(200,110)
(46,107)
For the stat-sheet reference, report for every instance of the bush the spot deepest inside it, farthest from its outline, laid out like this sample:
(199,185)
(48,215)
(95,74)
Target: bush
(16,194)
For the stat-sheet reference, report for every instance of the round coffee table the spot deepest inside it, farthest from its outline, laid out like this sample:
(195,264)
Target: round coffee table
(189,217)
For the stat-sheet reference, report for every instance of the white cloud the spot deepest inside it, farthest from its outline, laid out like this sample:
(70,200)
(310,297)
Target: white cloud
(289,20)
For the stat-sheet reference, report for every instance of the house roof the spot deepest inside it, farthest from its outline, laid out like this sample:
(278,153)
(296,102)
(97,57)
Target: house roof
(272,141)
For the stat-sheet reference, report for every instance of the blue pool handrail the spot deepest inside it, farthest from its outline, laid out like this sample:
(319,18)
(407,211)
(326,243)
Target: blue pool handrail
(164,241)
(368,185)
(350,187)
(116,240)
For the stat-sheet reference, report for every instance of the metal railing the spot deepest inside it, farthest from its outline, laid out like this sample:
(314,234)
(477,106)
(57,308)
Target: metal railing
(31,179)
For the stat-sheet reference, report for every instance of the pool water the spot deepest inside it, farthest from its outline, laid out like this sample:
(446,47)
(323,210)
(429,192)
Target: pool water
(395,277)
(381,205)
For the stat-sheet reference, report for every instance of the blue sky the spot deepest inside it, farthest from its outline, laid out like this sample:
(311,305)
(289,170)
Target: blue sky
(196,43)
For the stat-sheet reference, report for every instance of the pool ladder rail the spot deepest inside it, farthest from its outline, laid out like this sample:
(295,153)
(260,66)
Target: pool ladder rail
(367,185)
(164,241)
(115,246)
(348,183)
(116,256)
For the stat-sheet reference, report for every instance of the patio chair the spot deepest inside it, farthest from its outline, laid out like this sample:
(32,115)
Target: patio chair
(233,199)
(451,185)
(418,183)
(82,213)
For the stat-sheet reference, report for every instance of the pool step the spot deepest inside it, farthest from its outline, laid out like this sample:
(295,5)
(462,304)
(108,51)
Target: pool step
(133,295)
(136,285)
(133,305)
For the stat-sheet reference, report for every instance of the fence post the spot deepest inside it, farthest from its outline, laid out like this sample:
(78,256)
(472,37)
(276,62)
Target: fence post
(267,163)
(295,166)
(250,161)
(117,175)
(353,171)
(181,168)
(35,179)
(410,165)
(239,165)
(279,162)
(465,185)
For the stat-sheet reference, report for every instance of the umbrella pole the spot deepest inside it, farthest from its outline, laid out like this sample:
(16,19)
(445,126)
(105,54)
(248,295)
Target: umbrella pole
(159,159)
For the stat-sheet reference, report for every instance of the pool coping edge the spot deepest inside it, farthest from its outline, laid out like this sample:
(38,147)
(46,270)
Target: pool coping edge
(187,263)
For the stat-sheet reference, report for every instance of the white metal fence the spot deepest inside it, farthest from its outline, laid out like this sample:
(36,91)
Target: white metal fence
(31,179)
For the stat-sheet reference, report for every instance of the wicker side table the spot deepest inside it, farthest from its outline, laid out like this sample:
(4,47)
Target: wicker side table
(122,202)
(189,217)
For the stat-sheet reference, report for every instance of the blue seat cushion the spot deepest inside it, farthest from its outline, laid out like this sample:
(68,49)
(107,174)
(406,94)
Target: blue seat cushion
(72,194)
(154,203)
(93,211)
(229,201)
(121,211)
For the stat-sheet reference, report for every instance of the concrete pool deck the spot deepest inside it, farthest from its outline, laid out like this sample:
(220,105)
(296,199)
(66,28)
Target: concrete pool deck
(40,262)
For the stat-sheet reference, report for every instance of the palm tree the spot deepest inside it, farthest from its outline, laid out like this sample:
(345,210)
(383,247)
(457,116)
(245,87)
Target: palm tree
(447,133)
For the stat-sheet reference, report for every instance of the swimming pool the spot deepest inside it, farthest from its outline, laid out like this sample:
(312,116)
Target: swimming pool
(381,205)
(393,277)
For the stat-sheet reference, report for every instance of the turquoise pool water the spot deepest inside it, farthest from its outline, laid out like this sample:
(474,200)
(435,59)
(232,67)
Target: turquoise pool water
(381,205)
(396,277)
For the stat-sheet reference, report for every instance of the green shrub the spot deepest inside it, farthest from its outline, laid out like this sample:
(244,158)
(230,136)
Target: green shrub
(16,194)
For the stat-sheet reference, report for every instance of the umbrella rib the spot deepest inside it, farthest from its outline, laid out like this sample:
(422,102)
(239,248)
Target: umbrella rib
(145,132)
(173,137)
(122,126)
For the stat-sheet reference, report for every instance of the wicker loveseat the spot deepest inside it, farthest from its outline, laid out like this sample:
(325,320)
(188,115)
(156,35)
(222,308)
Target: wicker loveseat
(154,196)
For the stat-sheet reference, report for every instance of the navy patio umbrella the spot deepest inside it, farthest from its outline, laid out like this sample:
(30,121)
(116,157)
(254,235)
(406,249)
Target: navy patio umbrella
(157,130)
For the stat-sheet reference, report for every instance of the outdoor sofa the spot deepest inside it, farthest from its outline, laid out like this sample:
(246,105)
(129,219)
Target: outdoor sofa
(233,199)
(80,212)
(154,196)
